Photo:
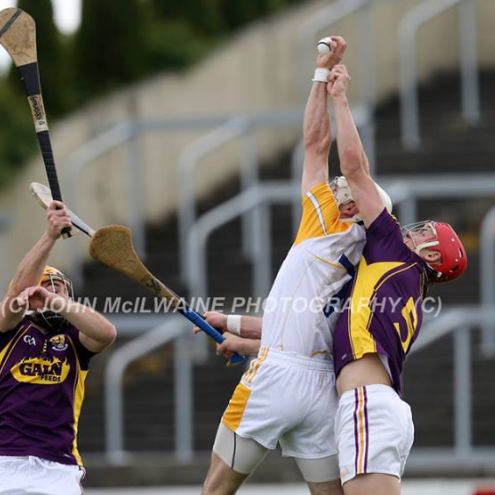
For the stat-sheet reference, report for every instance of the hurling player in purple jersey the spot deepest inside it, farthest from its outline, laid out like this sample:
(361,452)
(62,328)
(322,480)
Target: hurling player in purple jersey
(381,320)
(46,343)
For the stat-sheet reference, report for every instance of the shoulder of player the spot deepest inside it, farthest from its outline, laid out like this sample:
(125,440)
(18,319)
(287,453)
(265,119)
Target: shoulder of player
(343,234)
(348,229)
(24,324)
(323,188)
(412,268)
(383,224)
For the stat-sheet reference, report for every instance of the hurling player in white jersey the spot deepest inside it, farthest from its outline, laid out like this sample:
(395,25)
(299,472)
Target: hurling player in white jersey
(288,395)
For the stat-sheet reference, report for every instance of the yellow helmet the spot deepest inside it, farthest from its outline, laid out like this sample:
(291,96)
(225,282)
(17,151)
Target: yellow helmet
(50,274)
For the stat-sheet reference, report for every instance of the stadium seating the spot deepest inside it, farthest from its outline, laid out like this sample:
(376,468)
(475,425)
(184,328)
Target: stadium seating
(450,146)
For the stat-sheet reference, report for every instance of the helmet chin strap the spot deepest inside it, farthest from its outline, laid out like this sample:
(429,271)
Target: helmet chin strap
(425,245)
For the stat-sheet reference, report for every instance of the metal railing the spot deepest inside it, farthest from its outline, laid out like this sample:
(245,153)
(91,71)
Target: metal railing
(189,160)
(408,30)
(404,193)
(487,280)
(266,193)
(175,328)
(239,128)
(243,128)
(461,322)
(407,33)
(118,135)
(74,166)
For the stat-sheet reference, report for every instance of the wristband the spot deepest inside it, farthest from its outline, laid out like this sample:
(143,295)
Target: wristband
(234,324)
(321,75)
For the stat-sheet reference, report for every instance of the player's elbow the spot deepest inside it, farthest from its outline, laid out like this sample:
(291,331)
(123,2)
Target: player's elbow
(351,162)
(108,334)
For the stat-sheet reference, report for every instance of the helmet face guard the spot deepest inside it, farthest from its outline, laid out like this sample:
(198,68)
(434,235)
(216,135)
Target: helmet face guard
(51,275)
(343,195)
(439,237)
(341,190)
(49,318)
(426,229)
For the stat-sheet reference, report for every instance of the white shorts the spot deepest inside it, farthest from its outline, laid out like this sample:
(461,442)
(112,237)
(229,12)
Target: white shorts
(28,475)
(286,399)
(375,432)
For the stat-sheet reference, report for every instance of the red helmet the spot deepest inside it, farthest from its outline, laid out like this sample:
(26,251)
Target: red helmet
(443,239)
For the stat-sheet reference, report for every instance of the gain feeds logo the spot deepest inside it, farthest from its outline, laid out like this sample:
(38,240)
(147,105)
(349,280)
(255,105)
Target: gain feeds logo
(41,371)
(59,343)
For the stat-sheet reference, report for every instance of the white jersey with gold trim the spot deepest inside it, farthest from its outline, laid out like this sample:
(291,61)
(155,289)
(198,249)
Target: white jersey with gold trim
(300,314)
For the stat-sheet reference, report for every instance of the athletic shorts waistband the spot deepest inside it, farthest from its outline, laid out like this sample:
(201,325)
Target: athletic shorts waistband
(300,361)
(350,395)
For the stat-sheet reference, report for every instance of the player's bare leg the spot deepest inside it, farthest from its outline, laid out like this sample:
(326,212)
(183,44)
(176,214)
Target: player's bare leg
(373,484)
(327,488)
(221,479)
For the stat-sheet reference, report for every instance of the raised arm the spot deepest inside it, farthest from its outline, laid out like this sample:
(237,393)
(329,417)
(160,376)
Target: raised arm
(95,331)
(316,126)
(353,162)
(31,268)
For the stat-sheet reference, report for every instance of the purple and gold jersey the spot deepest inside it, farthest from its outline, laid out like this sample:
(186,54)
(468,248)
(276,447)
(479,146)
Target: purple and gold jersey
(41,392)
(384,313)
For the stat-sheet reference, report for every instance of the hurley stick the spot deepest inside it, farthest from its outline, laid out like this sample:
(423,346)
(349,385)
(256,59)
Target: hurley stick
(43,196)
(18,37)
(113,247)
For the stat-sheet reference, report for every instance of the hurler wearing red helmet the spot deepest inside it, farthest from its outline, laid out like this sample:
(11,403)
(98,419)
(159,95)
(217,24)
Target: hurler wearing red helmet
(383,315)
(441,238)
